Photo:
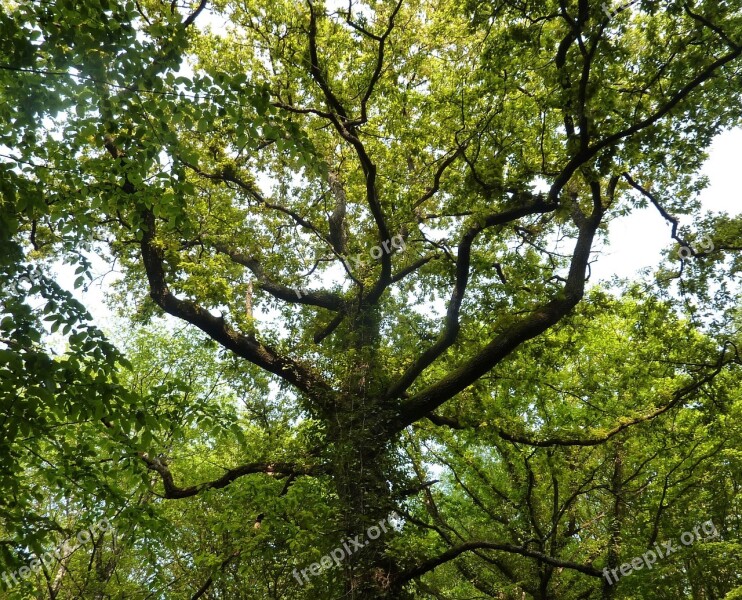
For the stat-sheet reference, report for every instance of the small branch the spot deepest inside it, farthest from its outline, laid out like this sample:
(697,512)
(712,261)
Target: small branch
(411,269)
(666,215)
(205,587)
(437,177)
(417,489)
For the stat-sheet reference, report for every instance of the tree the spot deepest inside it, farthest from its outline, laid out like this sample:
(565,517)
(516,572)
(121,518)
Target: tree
(311,185)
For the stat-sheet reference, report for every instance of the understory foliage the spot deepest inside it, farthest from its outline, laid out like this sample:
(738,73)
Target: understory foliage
(347,252)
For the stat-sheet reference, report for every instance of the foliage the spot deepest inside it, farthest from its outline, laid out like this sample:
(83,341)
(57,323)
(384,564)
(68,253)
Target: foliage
(371,226)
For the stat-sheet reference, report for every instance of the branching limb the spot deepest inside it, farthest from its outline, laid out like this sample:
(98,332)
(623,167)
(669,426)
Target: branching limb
(322,299)
(246,346)
(172,491)
(585,155)
(453,553)
(715,28)
(316,70)
(450,329)
(679,396)
(347,130)
(379,62)
(526,328)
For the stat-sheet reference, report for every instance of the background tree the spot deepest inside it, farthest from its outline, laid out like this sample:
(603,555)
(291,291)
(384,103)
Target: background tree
(381,212)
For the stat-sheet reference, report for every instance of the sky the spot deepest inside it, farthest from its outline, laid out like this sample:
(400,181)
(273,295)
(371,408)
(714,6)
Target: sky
(637,240)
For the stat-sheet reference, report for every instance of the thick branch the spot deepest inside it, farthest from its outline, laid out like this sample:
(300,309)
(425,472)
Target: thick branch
(194,15)
(451,325)
(322,299)
(172,491)
(245,346)
(715,28)
(453,553)
(541,319)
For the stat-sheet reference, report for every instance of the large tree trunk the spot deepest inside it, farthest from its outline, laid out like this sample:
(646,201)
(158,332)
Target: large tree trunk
(362,464)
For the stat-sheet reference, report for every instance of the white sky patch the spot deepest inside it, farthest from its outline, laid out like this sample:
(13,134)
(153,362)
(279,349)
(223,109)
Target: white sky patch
(213,22)
(357,9)
(636,241)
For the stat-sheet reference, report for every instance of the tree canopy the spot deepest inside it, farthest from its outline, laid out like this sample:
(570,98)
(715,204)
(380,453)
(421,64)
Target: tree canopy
(353,245)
